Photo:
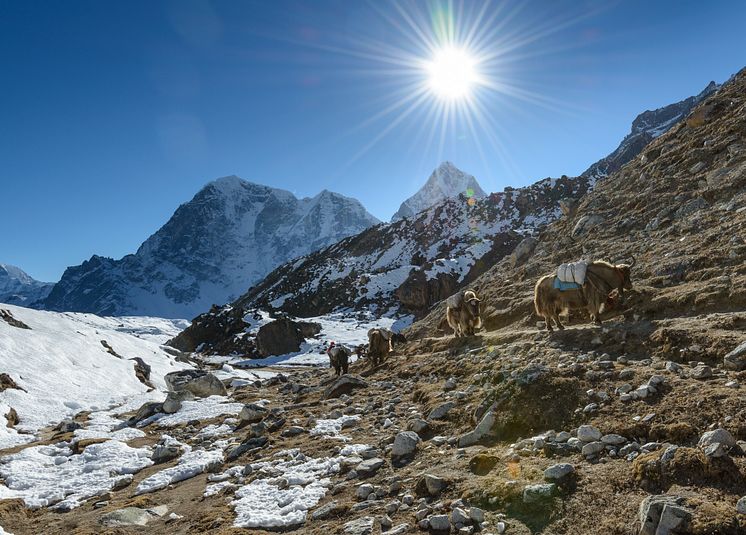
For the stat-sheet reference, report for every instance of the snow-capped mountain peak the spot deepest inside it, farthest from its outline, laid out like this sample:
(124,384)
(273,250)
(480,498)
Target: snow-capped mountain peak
(446,182)
(229,236)
(19,288)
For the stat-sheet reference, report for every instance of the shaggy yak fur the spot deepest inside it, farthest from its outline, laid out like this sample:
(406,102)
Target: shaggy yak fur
(601,279)
(339,358)
(381,342)
(465,319)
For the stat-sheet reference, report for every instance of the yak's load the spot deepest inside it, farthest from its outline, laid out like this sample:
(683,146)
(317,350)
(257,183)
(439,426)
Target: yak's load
(570,276)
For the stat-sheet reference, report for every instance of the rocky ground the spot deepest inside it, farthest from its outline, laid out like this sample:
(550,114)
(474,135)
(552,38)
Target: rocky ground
(510,431)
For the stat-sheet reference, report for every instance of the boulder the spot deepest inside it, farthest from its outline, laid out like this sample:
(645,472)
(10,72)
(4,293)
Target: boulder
(440,412)
(663,515)
(482,430)
(344,385)
(174,399)
(558,472)
(369,467)
(588,433)
(717,443)
(539,492)
(361,526)
(439,523)
(586,223)
(429,485)
(279,337)
(198,382)
(404,448)
(163,453)
(253,413)
(736,359)
(129,516)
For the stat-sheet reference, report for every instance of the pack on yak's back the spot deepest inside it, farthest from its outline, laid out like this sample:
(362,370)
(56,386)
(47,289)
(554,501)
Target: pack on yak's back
(455,300)
(573,272)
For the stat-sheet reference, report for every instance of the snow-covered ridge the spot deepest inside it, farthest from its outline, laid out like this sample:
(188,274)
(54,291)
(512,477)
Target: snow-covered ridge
(214,247)
(446,182)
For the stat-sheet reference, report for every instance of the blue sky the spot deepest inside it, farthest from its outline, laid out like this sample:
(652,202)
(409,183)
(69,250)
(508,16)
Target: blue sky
(114,113)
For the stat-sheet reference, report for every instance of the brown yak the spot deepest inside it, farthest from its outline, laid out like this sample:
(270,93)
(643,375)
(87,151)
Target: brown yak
(462,313)
(380,343)
(600,280)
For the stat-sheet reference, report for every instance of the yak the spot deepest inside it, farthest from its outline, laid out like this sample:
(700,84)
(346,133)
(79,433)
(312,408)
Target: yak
(380,343)
(462,313)
(339,358)
(601,279)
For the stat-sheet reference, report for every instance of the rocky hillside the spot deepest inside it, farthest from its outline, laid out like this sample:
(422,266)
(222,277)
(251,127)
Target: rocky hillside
(410,264)
(229,236)
(446,182)
(18,288)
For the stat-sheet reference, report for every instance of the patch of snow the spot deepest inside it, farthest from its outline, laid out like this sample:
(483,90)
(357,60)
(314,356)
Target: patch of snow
(198,409)
(333,428)
(192,463)
(52,475)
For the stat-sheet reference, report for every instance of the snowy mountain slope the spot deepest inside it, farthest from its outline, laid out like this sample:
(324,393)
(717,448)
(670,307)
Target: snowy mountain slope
(446,182)
(18,288)
(62,367)
(229,236)
(415,262)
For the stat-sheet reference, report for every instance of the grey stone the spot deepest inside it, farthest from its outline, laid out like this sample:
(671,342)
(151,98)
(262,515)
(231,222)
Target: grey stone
(523,251)
(325,511)
(592,448)
(588,433)
(398,530)
(129,516)
(660,514)
(613,439)
(538,492)
(439,523)
(344,385)
(198,382)
(165,452)
(363,491)
(558,472)
(419,426)
(459,516)
(717,436)
(173,400)
(476,514)
(440,412)
(483,429)
(253,413)
(404,447)
(430,485)
(701,372)
(361,526)
(369,467)
(741,506)
(736,359)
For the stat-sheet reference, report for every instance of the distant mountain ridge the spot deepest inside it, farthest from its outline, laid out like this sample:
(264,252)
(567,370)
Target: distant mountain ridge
(229,236)
(18,288)
(446,182)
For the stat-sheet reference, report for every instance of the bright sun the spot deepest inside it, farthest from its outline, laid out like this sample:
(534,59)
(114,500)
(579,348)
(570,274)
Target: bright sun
(451,73)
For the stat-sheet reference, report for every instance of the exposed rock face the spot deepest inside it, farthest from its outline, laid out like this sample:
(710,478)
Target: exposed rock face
(413,263)
(221,330)
(446,182)
(229,236)
(279,337)
(18,288)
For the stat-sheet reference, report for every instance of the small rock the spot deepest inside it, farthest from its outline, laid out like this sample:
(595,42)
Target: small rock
(252,413)
(736,359)
(361,526)
(439,523)
(592,448)
(558,472)
(344,385)
(588,433)
(459,516)
(430,485)
(173,400)
(404,447)
(701,372)
(397,530)
(613,439)
(539,492)
(369,467)
(741,506)
(440,412)
(129,516)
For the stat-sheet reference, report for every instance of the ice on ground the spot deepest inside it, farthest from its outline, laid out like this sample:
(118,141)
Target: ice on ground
(263,504)
(3,532)
(53,475)
(198,409)
(333,428)
(64,368)
(213,430)
(192,463)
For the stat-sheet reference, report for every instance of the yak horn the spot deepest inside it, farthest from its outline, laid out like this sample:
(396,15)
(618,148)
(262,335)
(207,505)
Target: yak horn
(634,261)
